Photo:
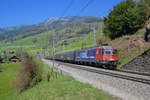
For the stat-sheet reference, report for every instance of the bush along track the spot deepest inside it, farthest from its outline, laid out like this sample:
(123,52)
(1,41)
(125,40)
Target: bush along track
(29,74)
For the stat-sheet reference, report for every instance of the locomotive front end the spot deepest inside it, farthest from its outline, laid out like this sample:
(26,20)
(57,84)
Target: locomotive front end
(107,57)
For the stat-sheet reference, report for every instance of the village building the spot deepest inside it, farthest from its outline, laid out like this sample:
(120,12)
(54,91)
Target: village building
(14,59)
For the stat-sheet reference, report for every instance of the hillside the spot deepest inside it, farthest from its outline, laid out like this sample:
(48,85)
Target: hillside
(35,41)
(79,25)
(44,41)
(76,31)
(130,46)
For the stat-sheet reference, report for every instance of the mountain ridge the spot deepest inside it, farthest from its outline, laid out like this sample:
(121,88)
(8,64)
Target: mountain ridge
(23,31)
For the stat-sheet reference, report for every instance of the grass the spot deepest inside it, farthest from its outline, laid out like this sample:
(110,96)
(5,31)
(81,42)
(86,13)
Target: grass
(63,88)
(6,85)
(60,88)
(127,57)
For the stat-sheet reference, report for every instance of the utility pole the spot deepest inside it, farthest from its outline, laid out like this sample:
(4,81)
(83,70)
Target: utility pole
(94,36)
(63,44)
(47,40)
(53,40)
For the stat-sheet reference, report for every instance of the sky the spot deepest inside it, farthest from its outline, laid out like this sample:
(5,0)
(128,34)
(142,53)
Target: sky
(19,12)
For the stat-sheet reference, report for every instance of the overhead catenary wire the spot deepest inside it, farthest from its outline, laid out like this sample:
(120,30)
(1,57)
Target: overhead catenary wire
(62,15)
(85,7)
(65,11)
(67,8)
(53,35)
(88,3)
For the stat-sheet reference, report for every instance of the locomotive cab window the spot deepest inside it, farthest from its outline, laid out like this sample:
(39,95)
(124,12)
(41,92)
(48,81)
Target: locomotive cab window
(107,51)
(115,52)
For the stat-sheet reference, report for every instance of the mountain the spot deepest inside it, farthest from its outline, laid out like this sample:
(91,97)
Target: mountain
(68,23)
(12,31)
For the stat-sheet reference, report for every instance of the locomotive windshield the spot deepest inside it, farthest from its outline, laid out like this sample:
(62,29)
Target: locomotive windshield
(106,51)
(114,51)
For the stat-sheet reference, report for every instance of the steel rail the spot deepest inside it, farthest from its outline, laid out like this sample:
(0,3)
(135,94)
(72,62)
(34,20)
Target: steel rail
(133,72)
(117,75)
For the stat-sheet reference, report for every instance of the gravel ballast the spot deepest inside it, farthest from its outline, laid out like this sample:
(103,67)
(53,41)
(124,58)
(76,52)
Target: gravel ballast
(125,89)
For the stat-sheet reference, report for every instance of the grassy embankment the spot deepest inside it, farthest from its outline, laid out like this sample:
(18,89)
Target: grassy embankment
(130,46)
(60,88)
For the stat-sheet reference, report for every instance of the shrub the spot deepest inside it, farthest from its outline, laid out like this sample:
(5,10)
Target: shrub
(29,74)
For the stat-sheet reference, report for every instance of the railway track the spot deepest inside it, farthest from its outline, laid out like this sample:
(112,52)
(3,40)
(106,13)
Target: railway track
(112,74)
(133,72)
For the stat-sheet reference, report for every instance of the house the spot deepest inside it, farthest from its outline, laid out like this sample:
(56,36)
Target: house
(14,59)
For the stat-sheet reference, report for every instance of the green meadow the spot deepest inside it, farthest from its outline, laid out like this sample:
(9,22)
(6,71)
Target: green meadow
(59,88)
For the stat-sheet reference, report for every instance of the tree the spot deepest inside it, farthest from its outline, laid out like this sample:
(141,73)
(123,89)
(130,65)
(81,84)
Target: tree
(147,5)
(34,40)
(126,18)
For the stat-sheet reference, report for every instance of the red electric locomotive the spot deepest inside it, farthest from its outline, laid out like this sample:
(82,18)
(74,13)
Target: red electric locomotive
(107,57)
(103,56)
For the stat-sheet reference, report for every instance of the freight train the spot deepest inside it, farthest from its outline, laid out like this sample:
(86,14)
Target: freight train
(103,56)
